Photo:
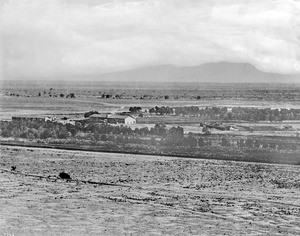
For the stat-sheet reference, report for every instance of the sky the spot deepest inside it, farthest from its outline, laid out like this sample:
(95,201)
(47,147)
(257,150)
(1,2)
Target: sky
(65,38)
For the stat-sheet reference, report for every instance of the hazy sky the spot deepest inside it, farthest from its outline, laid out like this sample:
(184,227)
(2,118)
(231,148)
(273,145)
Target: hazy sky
(55,38)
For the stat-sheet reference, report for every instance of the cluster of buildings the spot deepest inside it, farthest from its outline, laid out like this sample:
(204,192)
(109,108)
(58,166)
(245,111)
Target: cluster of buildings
(94,118)
(112,119)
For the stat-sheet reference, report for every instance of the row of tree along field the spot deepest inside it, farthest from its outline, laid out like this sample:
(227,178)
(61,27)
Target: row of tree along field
(236,113)
(157,135)
(44,94)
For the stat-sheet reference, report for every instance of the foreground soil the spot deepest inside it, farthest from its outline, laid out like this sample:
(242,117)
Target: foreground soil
(150,196)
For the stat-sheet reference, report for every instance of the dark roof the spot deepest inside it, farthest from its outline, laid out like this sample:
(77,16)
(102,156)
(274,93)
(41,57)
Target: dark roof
(119,117)
(99,116)
(29,117)
(80,119)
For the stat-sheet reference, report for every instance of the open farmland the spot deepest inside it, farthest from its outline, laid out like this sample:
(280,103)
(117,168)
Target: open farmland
(152,195)
(116,194)
(11,106)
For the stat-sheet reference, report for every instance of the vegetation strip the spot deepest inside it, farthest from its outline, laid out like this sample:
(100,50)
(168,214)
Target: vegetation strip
(68,148)
(167,154)
(159,140)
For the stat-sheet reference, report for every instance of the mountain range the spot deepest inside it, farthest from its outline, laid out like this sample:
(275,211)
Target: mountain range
(212,72)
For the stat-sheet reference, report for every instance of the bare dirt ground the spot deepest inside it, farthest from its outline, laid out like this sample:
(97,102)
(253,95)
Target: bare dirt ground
(160,195)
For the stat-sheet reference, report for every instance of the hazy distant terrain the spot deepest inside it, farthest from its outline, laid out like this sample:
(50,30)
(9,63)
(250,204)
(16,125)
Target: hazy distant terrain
(222,72)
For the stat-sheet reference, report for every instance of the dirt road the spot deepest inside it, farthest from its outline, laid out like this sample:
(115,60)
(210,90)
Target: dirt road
(169,196)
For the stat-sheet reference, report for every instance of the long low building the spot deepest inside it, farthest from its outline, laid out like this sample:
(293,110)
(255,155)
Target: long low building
(119,119)
(95,118)
(43,118)
(112,119)
(28,118)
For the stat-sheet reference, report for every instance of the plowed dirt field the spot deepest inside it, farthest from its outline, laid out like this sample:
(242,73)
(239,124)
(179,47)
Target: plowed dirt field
(149,195)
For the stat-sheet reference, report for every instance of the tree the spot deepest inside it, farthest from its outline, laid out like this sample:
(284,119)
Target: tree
(152,110)
(174,136)
(45,134)
(241,143)
(71,95)
(144,131)
(119,139)
(103,137)
(135,109)
(23,135)
(249,143)
(6,133)
(153,141)
(225,142)
(256,143)
(111,138)
(192,141)
(97,136)
(159,130)
(73,131)
(230,115)
(126,139)
(200,142)
(62,134)
(208,142)
(185,141)
(31,136)
(292,146)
